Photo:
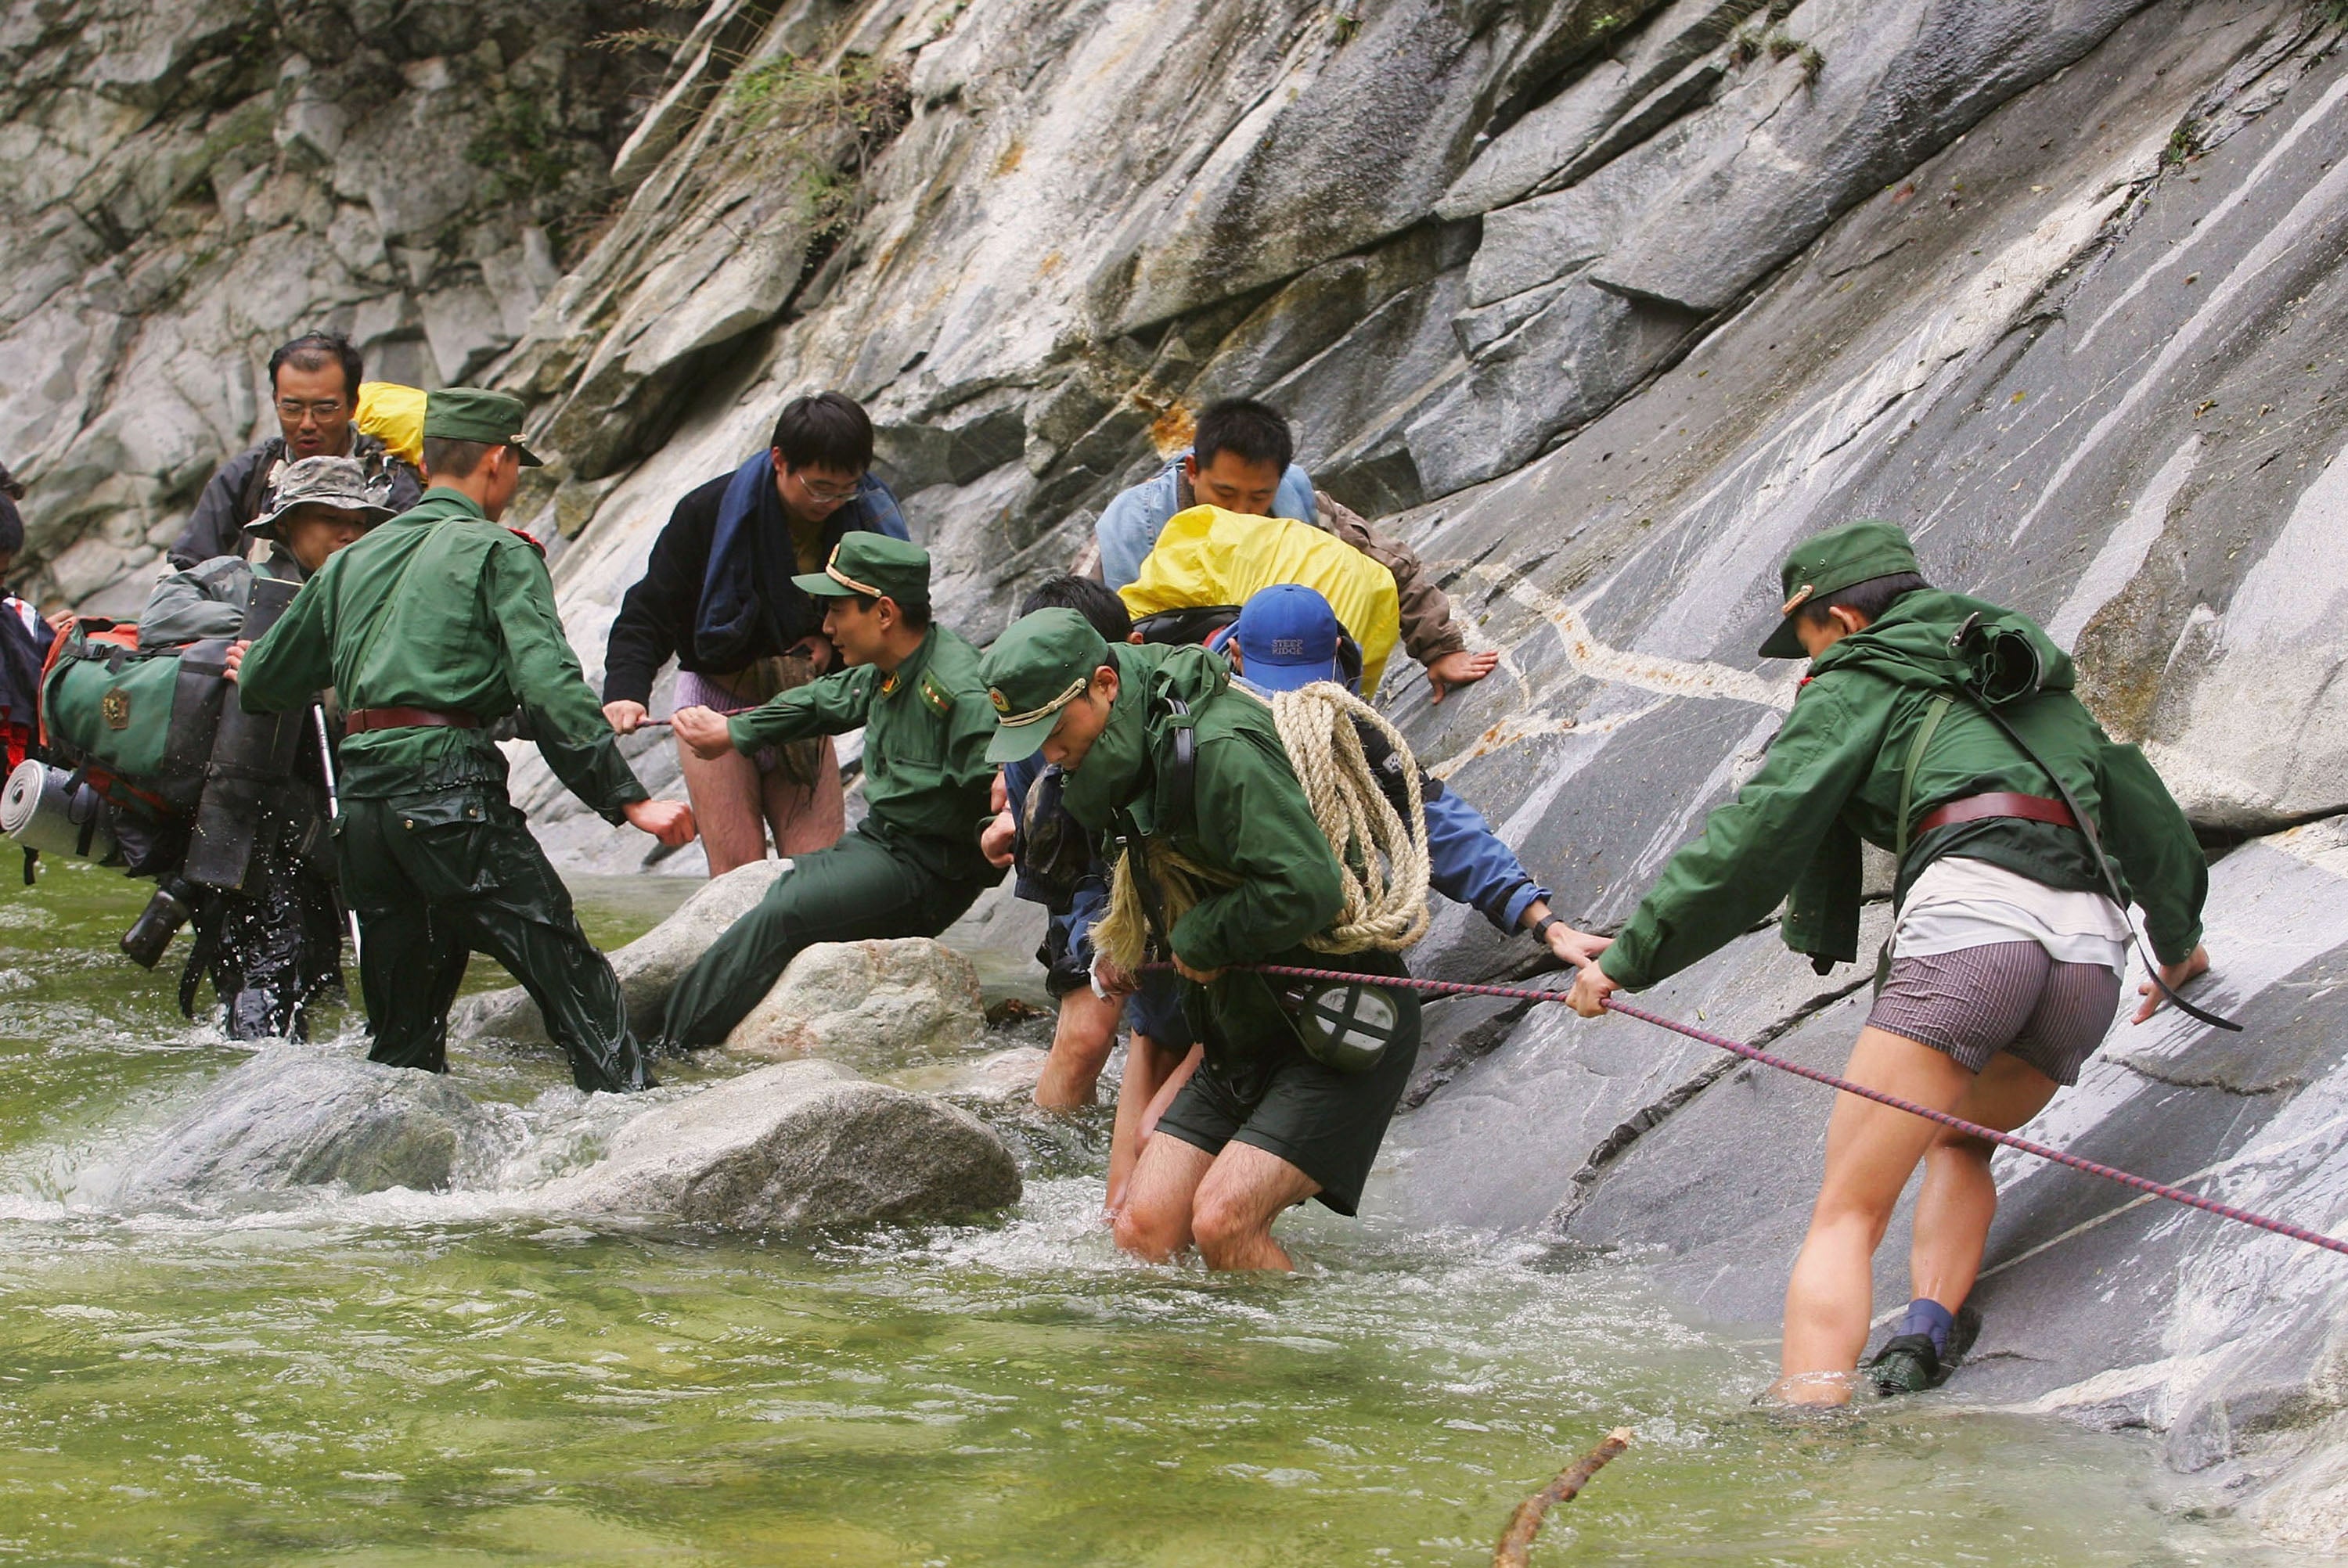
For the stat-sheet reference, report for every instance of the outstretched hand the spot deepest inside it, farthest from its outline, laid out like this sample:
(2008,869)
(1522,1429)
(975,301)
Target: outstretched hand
(1580,948)
(2176,977)
(670,821)
(704,730)
(626,718)
(1460,669)
(1591,988)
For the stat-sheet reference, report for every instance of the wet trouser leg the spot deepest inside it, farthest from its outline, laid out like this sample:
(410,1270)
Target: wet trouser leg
(438,877)
(855,890)
(275,944)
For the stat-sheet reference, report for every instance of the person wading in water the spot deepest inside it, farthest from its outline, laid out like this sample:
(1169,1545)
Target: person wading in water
(1927,726)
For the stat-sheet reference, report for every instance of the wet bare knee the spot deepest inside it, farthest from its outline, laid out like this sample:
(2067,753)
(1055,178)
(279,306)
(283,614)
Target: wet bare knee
(1224,1226)
(1147,1233)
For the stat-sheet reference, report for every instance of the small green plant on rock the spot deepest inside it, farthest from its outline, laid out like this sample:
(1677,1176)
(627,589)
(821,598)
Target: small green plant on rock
(793,109)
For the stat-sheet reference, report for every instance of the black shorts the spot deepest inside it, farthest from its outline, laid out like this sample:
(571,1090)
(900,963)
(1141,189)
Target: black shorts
(1256,1086)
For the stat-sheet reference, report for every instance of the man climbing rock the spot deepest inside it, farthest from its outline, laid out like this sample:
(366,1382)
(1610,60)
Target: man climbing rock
(274,941)
(435,625)
(718,594)
(1241,459)
(1942,728)
(1222,849)
(314,383)
(914,865)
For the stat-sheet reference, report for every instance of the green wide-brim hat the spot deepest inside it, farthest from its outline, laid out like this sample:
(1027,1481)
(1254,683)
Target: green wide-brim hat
(340,483)
(1033,670)
(477,413)
(1831,561)
(873,565)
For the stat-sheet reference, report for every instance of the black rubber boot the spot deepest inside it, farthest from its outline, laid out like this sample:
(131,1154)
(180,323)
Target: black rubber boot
(1906,1365)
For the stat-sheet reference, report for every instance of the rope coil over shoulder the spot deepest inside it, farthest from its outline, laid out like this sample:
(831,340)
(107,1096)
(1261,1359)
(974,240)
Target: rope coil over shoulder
(1383,860)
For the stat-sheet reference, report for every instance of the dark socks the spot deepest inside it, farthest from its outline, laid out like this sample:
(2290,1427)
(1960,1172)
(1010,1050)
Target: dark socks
(1927,1317)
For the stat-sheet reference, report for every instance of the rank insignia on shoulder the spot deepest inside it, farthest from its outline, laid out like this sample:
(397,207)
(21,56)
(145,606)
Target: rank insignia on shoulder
(889,684)
(530,539)
(931,694)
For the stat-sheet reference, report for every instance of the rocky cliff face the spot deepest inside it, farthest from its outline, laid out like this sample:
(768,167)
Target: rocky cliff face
(1601,302)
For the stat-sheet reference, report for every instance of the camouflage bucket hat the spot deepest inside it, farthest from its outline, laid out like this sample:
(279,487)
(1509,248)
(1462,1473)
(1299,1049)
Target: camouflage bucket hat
(337,481)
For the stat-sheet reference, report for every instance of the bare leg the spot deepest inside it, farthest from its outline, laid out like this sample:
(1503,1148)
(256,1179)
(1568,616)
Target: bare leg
(1243,1192)
(726,806)
(1871,1150)
(1140,1095)
(1155,1222)
(1081,1042)
(1167,1089)
(1959,1199)
(805,818)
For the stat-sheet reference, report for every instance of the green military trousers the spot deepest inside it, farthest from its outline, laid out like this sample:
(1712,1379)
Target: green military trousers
(435,878)
(857,890)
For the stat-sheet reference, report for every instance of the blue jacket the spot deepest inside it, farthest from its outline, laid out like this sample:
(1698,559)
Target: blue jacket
(1129,524)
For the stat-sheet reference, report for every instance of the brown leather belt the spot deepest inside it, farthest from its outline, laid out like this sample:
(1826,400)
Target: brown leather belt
(1973,807)
(360,720)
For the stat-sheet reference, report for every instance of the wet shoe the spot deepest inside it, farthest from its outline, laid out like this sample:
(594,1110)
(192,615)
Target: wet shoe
(1906,1365)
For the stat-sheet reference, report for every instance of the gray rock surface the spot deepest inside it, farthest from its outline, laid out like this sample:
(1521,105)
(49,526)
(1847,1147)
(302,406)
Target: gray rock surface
(299,1116)
(873,1004)
(648,968)
(792,1146)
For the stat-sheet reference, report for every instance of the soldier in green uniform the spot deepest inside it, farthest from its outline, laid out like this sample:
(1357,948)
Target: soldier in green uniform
(1942,728)
(914,865)
(1271,1117)
(436,624)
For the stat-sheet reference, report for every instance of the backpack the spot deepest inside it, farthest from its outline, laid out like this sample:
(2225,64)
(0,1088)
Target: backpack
(139,727)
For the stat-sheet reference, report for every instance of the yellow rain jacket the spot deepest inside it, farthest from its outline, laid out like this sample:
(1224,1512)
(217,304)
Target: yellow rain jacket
(1208,556)
(393,415)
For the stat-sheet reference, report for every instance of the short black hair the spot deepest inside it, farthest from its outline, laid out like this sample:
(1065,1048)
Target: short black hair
(914,613)
(317,351)
(446,458)
(12,525)
(829,430)
(1250,431)
(1088,596)
(1871,597)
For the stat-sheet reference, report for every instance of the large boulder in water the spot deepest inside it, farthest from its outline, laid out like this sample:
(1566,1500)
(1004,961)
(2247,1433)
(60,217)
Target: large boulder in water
(876,1004)
(297,1116)
(648,968)
(795,1146)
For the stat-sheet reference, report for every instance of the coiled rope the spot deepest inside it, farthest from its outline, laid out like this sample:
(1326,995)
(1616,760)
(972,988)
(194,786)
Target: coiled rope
(1383,860)
(1754,1053)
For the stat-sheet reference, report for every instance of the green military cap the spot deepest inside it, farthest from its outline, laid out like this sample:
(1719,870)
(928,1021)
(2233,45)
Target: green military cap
(1035,670)
(1831,561)
(475,414)
(873,565)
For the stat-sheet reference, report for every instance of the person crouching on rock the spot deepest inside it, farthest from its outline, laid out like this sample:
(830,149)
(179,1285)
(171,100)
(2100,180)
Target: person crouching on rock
(718,592)
(274,941)
(914,865)
(1943,729)
(1191,778)
(436,624)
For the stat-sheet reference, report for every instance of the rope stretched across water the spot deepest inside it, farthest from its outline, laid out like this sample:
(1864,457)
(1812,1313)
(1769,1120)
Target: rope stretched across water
(1754,1053)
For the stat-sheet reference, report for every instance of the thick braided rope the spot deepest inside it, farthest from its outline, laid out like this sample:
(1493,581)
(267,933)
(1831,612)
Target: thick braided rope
(1754,1053)
(1384,903)
(1385,899)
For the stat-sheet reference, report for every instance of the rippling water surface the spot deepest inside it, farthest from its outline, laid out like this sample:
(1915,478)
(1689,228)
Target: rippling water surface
(406,1378)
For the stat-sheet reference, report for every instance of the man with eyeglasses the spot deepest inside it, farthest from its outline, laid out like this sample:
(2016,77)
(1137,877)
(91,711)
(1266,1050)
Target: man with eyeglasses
(719,596)
(314,383)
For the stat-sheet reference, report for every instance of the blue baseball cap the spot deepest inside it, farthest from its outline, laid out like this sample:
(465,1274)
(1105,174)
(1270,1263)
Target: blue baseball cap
(1288,637)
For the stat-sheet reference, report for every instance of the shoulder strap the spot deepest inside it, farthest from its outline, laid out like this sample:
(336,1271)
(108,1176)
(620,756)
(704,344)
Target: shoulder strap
(2103,862)
(1932,716)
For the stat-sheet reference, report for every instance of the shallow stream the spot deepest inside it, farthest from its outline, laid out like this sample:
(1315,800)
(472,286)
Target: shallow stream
(447,1378)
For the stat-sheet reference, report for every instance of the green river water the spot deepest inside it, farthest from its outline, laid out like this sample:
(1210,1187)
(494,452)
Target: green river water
(448,1378)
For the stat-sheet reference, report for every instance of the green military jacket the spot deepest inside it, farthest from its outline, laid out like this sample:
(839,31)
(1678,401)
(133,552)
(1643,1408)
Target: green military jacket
(1833,778)
(208,600)
(926,726)
(439,608)
(1247,816)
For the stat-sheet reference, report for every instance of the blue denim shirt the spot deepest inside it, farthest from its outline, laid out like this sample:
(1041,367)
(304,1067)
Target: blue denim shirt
(1129,524)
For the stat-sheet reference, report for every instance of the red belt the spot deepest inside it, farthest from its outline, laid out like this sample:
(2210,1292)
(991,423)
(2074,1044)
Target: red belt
(1973,807)
(360,720)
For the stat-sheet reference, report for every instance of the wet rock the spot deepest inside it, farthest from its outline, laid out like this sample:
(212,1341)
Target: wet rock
(795,1146)
(873,1004)
(999,1076)
(648,968)
(296,1117)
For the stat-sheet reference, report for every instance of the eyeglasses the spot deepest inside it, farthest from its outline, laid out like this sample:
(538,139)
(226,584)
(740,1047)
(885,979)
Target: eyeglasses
(825,492)
(325,408)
